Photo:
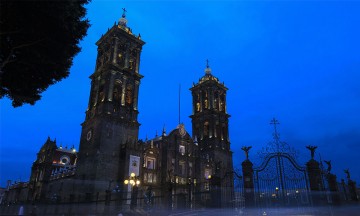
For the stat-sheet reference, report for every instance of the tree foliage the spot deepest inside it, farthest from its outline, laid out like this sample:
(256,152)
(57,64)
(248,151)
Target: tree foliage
(38,40)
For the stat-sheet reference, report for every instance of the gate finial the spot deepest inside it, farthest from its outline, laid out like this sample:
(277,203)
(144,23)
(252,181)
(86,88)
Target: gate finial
(246,149)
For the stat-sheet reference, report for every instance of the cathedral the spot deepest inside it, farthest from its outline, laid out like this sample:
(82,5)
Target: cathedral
(179,169)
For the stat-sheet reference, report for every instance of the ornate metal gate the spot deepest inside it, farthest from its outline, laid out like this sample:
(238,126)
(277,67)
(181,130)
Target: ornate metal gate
(280,180)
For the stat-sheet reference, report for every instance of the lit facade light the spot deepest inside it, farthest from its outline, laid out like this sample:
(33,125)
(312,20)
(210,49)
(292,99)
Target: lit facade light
(126,181)
(132,174)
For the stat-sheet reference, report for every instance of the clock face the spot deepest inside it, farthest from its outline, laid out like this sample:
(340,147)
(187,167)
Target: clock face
(65,160)
(88,135)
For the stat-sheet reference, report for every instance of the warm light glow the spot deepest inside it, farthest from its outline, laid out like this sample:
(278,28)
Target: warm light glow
(126,181)
(132,174)
(276,188)
(209,176)
(137,182)
(132,182)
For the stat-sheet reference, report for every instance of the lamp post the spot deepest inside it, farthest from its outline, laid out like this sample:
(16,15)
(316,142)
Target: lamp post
(277,196)
(189,193)
(134,182)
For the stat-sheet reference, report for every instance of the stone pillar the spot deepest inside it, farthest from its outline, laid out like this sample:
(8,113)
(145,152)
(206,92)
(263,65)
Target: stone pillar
(215,191)
(352,190)
(137,61)
(316,186)
(201,101)
(136,92)
(127,56)
(248,175)
(123,91)
(334,193)
(115,53)
(111,86)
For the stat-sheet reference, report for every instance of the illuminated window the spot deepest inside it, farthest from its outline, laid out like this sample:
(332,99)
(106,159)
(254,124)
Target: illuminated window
(150,162)
(182,149)
(207,174)
(145,177)
(206,129)
(182,167)
(206,186)
(150,177)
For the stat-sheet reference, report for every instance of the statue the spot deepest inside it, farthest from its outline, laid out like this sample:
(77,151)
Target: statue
(206,104)
(246,149)
(347,174)
(198,106)
(328,163)
(312,150)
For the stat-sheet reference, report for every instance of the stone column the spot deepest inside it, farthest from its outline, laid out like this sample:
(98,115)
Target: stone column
(334,193)
(136,90)
(137,69)
(115,53)
(316,187)
(248,175)
(97,80)
(127,47)
(201,101)
(111,86)
(352,190)
(123,91)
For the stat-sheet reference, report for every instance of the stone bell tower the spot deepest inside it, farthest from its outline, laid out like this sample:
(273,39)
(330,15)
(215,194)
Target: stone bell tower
(111,117)
(211,129)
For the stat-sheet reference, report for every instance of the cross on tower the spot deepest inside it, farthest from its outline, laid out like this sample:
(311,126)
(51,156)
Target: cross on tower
(207,63)
(124,12)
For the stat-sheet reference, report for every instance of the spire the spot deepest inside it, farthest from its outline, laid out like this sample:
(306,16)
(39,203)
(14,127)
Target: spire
(207,69)
(164,131)
(123,21)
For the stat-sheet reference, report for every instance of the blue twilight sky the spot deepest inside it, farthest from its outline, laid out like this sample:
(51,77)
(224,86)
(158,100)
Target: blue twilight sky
(297,61)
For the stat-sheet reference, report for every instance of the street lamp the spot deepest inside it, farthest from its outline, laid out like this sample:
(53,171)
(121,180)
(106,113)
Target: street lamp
(134,182)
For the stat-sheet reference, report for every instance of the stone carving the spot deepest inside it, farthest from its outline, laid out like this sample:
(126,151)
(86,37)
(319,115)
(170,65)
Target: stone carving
(328,163)
(312,150)
(347,174)
(246,149)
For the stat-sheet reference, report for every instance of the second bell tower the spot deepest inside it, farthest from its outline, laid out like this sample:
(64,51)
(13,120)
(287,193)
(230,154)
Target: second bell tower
(210,127)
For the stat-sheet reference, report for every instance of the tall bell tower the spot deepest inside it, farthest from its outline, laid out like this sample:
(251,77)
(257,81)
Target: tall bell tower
(211,129)
(111,117)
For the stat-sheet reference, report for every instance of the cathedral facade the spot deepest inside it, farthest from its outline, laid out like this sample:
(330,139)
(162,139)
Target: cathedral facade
(180,169)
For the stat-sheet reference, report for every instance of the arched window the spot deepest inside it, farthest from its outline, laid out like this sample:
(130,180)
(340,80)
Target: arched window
(206,128)
(117,94)
(129,95)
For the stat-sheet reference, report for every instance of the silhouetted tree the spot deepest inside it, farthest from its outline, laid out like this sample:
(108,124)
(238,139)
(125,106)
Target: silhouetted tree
(38,40)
